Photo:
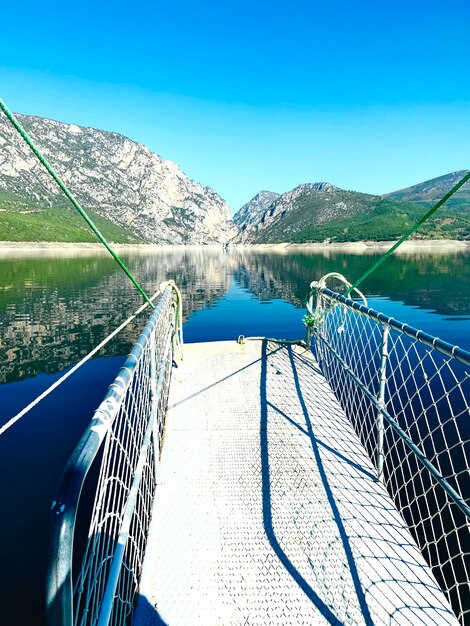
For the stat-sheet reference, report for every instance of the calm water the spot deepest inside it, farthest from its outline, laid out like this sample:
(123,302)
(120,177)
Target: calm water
(54,309)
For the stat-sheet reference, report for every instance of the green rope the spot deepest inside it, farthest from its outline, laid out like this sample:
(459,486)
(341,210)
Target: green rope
(72,199)
(408,233)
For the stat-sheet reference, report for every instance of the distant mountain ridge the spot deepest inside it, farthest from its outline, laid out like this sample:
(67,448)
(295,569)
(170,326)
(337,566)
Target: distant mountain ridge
(118,179)
(430,191)
(320,212)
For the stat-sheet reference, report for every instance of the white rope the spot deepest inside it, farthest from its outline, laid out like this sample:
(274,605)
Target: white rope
(322,283)
(86,358)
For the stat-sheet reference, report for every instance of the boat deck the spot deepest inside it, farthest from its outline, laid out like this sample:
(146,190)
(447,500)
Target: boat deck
(267,509)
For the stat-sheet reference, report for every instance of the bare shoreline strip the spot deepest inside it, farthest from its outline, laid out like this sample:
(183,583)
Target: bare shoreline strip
(8,248)
(364,247)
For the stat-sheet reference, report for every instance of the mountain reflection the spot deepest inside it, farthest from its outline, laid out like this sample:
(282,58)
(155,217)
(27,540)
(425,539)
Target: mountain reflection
(54,310)
(440,282)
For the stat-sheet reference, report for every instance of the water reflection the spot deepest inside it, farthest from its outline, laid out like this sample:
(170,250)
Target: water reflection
(55,309)
(440,282)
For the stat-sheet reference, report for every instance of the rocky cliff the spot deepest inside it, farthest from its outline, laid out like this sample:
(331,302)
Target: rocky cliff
(116,178)
(251,214)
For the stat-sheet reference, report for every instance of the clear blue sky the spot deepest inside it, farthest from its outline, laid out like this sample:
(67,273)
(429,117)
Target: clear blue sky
(254,94)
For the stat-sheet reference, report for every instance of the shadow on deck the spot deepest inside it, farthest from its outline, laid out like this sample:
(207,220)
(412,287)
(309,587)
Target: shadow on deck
(267,510)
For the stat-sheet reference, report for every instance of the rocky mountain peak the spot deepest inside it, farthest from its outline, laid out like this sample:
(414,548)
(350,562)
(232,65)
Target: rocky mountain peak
(117,178)
(267,207)
(252,211)
(324,187)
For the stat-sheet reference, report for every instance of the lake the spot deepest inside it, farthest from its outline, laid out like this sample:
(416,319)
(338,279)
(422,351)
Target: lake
(56,307)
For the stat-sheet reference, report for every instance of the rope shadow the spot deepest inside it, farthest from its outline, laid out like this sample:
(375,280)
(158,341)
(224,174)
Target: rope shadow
(266,502)
(331,499)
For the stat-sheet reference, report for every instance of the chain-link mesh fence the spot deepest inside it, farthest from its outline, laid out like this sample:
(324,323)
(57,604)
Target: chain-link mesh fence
(129,424)
(407,395)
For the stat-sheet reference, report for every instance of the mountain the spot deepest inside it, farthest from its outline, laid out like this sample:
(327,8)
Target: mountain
(118,179)
(258,216)
(249,216)
(429,192)
(26,220)
(320,212)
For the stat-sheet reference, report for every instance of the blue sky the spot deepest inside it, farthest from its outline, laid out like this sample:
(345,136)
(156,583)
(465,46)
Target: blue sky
(251,95)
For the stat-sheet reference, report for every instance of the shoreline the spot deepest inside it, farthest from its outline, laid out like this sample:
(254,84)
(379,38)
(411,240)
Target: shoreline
(359,247)
(352,247)
(65,245)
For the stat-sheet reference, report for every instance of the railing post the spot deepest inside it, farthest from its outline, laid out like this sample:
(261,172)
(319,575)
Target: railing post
(308,330)
(177,316)
(381,399)
(154,399)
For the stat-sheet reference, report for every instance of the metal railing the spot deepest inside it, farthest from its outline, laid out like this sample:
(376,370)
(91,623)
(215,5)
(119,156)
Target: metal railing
(124,440)
(407,395)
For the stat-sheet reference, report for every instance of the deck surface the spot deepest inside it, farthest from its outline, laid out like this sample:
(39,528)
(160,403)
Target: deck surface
(267,510)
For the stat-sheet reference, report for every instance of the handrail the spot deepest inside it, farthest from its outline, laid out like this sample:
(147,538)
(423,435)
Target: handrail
(460,354)
(59,593)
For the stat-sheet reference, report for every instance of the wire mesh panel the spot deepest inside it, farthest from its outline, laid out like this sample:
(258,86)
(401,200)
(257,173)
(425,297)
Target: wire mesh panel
(129,427)
(408,397)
